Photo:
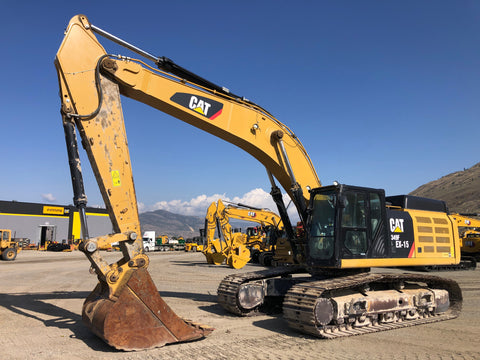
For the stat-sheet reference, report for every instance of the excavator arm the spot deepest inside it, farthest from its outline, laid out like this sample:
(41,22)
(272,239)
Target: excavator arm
(125,309)
(215,248)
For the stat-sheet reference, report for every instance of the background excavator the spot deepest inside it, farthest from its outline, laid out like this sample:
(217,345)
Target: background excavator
(469,226)
(346,230)
(236,249)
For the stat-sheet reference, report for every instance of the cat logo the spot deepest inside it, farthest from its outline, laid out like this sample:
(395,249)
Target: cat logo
(201,105)
(396,225)
(252,214)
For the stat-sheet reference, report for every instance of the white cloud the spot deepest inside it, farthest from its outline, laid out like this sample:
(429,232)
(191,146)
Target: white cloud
(197,206)
(49,197)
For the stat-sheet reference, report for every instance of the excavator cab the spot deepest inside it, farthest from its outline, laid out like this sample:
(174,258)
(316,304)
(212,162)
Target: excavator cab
(345,222)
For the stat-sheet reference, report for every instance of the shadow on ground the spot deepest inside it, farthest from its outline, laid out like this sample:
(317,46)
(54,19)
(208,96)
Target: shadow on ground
(35,305)
(38,306)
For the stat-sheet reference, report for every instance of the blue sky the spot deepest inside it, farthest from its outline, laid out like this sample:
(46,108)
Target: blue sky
(381,93)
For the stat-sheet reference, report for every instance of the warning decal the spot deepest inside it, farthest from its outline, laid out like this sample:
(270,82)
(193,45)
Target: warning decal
(116,178)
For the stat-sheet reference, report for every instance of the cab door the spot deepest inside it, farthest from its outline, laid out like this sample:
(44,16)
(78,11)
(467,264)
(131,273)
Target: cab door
(353,224)
(362,225)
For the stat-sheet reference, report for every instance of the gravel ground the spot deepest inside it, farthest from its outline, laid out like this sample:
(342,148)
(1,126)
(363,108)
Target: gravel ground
(41,296)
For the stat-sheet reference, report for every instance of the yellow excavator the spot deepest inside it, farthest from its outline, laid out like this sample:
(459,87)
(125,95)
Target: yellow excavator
(471,244)
(236,248)
(346,230)
(469,225)
(261,240)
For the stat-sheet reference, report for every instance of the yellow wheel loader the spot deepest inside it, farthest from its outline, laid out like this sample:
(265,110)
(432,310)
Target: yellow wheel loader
(8,248)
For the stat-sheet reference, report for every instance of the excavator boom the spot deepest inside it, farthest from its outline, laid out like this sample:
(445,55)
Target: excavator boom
(225,115)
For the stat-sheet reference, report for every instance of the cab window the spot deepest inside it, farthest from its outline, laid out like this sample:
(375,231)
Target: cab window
(354,223)
(322,229)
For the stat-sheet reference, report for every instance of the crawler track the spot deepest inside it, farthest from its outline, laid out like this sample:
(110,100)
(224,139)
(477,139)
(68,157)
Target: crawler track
(300,301)
(228,288)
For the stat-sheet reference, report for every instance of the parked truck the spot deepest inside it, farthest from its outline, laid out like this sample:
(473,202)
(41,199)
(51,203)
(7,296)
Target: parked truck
(151,242)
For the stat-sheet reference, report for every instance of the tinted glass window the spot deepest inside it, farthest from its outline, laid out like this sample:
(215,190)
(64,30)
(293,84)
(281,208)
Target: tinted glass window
(375,211)
(353,214)
(322,229)
(354,219)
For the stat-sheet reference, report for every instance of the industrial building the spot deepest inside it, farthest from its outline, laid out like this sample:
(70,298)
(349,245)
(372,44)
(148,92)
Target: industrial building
(56,223)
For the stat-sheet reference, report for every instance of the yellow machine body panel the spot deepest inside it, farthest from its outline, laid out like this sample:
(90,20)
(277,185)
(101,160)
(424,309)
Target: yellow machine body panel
(435,236)
(435,241)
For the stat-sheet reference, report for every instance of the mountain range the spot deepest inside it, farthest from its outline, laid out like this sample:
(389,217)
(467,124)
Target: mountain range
(460,190)
(174,225)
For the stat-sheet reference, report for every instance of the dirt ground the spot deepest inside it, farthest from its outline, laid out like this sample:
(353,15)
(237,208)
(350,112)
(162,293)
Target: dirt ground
(41,296)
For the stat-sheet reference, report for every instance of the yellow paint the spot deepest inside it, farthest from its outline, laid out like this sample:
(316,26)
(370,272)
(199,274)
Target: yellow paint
(44,216)
(76,226)
(199,110)
(394,262)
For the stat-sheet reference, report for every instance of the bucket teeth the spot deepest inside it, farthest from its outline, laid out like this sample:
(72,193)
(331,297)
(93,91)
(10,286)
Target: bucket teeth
(138,318)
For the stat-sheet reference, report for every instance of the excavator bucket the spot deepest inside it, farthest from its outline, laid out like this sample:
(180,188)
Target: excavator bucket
(239,257)
(217,258)
(139,318)
(215,252)
(239,254)
(208,256)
